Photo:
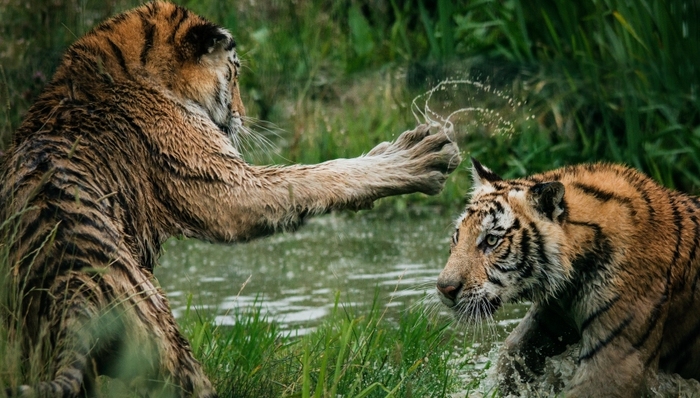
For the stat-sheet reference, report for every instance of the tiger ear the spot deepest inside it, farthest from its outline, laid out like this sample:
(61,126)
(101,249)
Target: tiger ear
(206,38)
(482,175)
(548,198)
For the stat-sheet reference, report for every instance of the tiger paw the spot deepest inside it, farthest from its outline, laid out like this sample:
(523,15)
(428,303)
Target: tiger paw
(423,158)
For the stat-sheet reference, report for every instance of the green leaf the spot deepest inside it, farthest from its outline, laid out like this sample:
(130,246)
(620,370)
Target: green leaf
(628,28)
(360,32)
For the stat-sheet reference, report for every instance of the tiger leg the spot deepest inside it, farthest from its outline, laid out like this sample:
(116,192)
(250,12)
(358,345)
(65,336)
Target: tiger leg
(180,366)
(620,348)
(619,372)
(543,332)
(146,350)
(156,334)
(75,303)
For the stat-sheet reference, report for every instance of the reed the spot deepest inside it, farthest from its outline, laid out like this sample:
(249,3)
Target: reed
(617,80)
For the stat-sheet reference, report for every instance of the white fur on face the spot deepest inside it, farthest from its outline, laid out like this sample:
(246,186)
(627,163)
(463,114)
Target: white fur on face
(217,105)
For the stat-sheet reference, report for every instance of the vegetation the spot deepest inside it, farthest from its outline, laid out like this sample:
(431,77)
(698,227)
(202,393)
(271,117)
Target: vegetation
(351,354)
(540,84)
(605,80)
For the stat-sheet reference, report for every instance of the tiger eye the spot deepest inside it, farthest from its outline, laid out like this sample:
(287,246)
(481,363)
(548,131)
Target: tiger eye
(491,240)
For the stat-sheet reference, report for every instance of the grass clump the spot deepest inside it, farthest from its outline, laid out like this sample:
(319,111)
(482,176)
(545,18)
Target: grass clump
(243,359)
(349,354)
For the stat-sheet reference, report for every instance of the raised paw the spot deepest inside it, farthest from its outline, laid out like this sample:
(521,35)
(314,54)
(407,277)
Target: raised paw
(406,140)
(433,157)
(439,152)
(424,158)
(412,137)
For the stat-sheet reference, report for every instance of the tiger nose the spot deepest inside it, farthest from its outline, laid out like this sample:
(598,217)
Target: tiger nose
(239,116)
(449,289)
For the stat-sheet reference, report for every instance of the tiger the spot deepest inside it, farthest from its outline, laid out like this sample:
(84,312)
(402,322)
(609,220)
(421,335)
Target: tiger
(608,259)
(129,144)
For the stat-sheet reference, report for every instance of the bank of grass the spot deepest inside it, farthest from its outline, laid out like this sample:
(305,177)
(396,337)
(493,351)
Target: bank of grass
(351,354)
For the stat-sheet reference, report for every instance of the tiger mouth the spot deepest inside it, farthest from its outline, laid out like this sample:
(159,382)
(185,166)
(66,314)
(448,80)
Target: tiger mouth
(494,303)
(477,308)
(231,128)
(226,130)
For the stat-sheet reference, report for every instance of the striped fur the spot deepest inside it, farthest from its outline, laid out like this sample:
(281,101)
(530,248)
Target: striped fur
(130,144)
(609,260)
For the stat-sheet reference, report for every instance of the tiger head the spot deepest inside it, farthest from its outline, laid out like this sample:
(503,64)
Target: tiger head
(163,47)
(507,246)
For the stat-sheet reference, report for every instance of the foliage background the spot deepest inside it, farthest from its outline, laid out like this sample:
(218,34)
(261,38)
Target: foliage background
(596,80)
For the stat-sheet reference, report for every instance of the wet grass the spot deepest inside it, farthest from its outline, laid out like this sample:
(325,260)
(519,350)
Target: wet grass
(350,354)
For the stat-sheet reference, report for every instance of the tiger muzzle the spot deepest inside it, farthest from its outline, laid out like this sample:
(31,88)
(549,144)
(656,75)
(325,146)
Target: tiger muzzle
(449,291)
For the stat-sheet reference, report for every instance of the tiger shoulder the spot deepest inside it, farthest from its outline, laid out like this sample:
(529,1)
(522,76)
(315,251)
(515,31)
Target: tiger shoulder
(609,260)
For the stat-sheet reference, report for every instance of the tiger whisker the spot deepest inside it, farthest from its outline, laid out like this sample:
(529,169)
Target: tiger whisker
(251,138)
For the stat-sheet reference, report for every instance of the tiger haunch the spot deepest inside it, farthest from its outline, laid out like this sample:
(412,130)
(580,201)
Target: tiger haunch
(609,260)
(128,145)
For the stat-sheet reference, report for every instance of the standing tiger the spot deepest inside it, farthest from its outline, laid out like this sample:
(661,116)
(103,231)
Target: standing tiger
(609,260)
(128,145)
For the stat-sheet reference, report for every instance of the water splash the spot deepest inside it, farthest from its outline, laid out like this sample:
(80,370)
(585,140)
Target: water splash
(498,119)
(559,371)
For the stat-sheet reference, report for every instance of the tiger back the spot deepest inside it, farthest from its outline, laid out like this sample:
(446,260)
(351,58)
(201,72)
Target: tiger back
(609,260)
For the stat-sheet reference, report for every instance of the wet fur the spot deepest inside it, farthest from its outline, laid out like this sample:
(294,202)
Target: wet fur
(130,144)
(610,261)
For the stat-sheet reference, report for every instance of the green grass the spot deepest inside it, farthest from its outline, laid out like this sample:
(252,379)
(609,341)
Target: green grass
(615,80)
(350,354)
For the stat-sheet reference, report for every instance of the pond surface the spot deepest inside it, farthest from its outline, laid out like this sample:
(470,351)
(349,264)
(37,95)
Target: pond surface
(295,276)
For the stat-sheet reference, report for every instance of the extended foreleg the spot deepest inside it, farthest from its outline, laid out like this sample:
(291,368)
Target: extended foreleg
(252,201)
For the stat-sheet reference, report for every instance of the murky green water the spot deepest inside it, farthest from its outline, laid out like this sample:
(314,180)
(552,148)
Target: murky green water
(295,276)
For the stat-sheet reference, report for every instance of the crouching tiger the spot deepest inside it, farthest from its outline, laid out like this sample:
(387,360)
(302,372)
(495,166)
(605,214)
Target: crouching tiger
(609,260)
(128,145)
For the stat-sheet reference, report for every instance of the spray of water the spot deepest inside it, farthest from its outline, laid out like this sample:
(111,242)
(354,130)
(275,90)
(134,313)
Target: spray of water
(498,119)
